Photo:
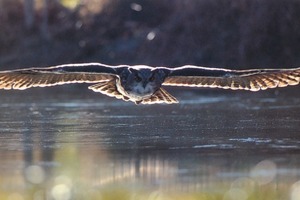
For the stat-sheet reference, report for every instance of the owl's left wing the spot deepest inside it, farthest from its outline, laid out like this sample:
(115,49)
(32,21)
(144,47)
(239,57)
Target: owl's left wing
(253,80)
(160,96)
(63,74)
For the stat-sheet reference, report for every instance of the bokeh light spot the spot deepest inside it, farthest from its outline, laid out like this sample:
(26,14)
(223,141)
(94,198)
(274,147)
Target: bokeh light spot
(61,192)
(136,7)
(295,191)
(35,174)
(264,172)
(151,35)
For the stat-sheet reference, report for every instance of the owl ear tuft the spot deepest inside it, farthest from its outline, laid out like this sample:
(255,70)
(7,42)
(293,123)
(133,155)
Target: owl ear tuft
(163,73)
(122,69)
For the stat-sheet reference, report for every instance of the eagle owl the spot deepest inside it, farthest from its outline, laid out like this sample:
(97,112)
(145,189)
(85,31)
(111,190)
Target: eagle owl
(142,84)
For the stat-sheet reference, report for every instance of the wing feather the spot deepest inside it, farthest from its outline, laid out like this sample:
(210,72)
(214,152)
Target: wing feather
(108,88)
(57,75)
(253,80)
(160,96)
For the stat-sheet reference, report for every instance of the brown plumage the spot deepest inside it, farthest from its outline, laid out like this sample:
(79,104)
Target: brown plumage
(142,84)
(253,80)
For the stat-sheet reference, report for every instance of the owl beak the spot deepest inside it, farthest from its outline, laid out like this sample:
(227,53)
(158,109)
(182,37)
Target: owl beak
(144,84)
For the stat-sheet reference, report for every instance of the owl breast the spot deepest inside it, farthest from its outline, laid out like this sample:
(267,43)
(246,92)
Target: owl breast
(140,90)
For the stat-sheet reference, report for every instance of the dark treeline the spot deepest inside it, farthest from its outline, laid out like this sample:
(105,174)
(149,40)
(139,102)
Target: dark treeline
(217,33)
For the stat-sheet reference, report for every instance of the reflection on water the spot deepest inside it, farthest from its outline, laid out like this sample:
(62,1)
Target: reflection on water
(235,146)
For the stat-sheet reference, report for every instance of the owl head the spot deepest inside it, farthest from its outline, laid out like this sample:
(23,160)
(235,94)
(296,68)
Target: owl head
(141,81)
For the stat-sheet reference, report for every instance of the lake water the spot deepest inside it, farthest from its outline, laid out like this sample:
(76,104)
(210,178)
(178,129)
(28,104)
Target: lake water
(70,143)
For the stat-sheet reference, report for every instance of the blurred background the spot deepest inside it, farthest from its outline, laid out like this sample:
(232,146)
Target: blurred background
(217,33)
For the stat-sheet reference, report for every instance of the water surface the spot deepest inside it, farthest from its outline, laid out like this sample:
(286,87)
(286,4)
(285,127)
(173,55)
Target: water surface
(68,143)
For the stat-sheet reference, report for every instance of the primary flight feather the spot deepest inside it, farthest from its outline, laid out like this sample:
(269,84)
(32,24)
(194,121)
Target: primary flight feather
(142,84)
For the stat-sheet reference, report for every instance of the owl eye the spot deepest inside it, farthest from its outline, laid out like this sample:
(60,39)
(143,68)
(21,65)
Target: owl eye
(138,79)
(152,78)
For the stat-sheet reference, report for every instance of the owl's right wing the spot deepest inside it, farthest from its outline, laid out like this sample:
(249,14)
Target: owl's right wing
(253,80)
(108,88)
(57,75)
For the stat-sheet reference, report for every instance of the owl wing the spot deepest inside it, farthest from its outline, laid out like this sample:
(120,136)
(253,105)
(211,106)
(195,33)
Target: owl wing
(160,96)
(108,88)
(253,80)
(57,75)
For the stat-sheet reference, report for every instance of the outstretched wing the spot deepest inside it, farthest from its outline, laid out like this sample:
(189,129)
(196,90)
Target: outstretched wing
(57,75)
(108,88)
(160,96)
(253,80)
